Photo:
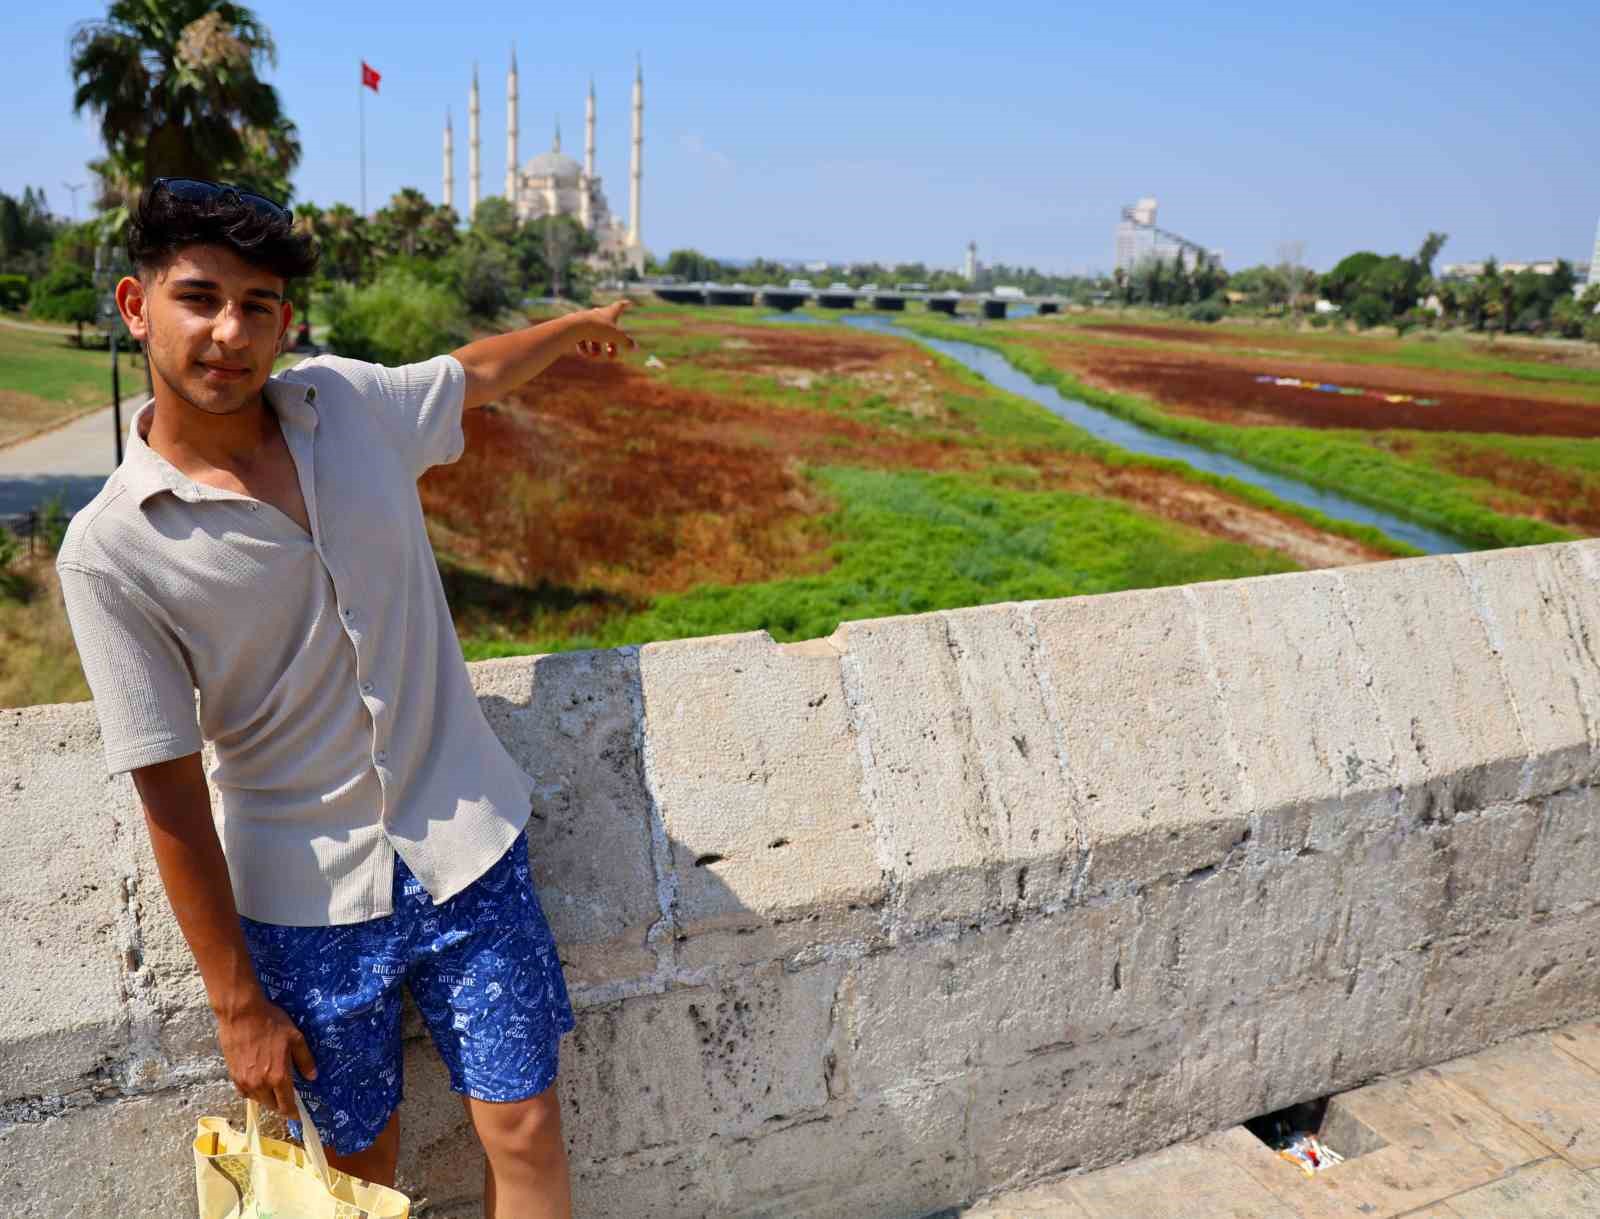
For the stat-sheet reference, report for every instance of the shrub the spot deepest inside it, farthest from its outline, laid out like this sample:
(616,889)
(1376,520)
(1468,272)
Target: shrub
(52,524)
(12,585)
(397,319)
(1319,321)
(1369,310)
(13,291)
(1207,311)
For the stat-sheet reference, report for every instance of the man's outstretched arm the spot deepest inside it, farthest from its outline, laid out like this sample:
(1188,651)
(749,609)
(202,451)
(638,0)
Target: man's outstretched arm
(258,1039)
(499,364)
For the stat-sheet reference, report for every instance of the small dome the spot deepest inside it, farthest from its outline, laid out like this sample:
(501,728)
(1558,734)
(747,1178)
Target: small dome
(553,165)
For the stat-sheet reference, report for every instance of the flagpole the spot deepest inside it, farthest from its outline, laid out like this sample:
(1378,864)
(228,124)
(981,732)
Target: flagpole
(361,88)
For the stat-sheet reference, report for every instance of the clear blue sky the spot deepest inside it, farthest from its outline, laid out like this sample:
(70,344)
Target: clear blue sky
(898,131)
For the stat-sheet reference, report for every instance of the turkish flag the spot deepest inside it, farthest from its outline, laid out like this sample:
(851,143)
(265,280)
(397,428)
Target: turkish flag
(368,77)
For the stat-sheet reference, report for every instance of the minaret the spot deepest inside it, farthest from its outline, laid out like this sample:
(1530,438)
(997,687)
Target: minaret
(472,149)
(511,133)
(552,200)
(636,172)
(449,163)
(586,191)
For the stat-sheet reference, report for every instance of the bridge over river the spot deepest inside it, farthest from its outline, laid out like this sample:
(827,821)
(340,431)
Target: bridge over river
(839,296)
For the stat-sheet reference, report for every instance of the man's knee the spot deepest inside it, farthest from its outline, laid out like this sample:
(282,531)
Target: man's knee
(522,1132)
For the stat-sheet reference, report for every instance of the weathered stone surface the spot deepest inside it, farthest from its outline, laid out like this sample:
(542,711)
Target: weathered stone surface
(62,938)
(753,762)
(658,1070)
(682,1182)
(1511,979)
(1567,857)
(1145,737)
(1577,573)
(1079,1107)
(1300,708)
(1441,687)
(128,1157)
(951,1004)
(956,720)
(903,1153)
(1519,599)
(571,722)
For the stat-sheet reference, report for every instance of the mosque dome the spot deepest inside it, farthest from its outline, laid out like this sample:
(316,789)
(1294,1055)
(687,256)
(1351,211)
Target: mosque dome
(555,165)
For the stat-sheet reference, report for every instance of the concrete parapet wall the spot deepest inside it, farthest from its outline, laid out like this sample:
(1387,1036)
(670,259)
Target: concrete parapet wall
(873,924)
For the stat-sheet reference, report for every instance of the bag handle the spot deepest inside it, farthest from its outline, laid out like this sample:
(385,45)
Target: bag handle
(309,1138)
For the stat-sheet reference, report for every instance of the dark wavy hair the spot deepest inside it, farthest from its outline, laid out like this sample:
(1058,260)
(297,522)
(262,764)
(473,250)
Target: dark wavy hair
(172,217)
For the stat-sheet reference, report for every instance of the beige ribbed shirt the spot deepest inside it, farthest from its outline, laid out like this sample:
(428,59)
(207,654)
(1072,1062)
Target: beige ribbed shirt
(330,679)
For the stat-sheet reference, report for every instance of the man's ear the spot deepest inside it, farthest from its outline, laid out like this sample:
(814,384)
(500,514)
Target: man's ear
(287,321)
(131,302)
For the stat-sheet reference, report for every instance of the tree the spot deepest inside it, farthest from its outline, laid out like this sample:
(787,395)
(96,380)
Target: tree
(346,245)
(485,275)
(693,266)
(496,220)
(412,227)
(174,87)
(66,294)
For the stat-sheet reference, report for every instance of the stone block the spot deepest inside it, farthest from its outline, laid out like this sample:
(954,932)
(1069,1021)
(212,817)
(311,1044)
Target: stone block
(1491,855)
(1519,599)
(125,1157)
(177,1031)
(63,934)
(1440,685)
(1567,857)
(1576,567)
(1079,1108)
(993,997)
(697,1062)
(571,721)
(1511,979)
(900,1154)
(754,764)
(966,784)
(1301,712)
(1145,735)
(683,1182)
(440,1158)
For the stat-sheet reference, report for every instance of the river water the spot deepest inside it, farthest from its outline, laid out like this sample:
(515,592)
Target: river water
(998,371)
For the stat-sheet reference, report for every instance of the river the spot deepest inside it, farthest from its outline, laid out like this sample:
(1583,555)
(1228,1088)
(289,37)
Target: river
(998,371)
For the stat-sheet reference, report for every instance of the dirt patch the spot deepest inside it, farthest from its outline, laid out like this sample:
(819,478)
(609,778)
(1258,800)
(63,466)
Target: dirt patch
(1176,334)
(603,486)
(1532,488)
(1224,388)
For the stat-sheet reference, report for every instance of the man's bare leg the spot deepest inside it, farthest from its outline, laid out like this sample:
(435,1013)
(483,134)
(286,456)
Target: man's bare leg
(527,1171)
(377,1162)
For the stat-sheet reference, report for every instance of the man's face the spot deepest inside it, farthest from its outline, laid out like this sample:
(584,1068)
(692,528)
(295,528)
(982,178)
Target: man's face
(211,323)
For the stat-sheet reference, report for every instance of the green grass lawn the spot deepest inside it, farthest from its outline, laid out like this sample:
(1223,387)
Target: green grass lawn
(909,541)
(45,380)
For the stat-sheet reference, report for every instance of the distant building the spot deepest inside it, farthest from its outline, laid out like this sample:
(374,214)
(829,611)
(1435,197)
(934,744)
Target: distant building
(553,184)
(1138,239)
(1594,262)
(972,266)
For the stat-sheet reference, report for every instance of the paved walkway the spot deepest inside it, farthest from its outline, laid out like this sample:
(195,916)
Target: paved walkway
(1511,1133)
(72,461)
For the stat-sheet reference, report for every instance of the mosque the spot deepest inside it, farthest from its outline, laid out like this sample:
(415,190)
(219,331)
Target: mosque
(552,183)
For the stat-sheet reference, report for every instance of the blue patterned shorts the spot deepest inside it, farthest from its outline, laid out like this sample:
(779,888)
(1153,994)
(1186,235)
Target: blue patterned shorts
(482,967)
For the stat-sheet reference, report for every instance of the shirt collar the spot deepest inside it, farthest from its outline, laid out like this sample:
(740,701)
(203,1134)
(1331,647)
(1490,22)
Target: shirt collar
(145,472)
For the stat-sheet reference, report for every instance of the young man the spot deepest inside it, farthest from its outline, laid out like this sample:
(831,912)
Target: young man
(262,543)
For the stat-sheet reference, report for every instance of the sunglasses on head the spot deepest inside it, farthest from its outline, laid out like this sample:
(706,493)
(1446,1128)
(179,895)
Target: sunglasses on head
(199,190)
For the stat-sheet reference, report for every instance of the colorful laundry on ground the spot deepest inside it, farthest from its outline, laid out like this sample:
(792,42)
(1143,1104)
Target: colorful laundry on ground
(1324,387)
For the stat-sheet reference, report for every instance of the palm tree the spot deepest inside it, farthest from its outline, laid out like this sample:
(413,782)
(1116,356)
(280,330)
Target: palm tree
(173,84)
(345,243)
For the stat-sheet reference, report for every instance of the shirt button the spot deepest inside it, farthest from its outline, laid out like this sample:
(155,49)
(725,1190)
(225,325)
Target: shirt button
(382,756)
(349,614)
(366,687)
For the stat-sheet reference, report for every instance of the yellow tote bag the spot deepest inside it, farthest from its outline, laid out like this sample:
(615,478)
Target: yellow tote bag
(246,1176)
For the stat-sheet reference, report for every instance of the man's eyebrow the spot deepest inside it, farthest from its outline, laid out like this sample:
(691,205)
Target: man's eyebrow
(211,285)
